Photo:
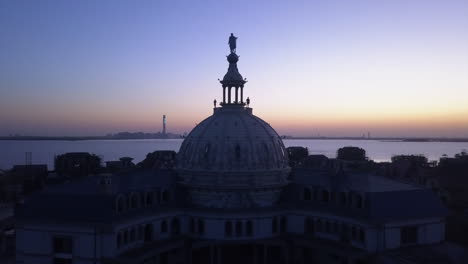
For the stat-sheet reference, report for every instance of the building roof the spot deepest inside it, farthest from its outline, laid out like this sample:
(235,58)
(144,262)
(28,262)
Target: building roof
(86,200)
(384,200)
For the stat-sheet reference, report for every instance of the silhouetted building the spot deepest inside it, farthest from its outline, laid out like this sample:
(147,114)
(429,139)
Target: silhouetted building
(77,164)
(232,198)
(351,154)
(160,159)
(123,163)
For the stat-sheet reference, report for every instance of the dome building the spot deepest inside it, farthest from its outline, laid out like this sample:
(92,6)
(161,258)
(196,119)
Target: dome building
(232,198)
(233,159)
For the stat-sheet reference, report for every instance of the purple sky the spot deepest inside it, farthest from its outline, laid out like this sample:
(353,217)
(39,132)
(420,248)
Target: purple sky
(394,68)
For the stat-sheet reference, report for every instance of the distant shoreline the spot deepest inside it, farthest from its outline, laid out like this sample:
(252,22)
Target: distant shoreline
(389,139)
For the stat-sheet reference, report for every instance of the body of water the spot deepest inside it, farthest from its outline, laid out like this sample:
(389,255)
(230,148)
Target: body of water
(43,152)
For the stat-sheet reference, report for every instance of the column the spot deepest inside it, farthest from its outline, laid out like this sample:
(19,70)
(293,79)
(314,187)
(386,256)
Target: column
(242,94)
(237,92)
(229,95)
(224,94)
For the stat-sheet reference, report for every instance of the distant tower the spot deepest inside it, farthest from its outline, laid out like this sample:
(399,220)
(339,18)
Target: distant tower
(164,125)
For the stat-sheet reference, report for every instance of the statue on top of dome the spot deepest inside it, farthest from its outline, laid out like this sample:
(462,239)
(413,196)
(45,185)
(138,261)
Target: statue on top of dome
(232,43)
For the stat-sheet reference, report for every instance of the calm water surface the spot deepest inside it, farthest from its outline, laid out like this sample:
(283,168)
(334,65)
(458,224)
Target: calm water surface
(43,152)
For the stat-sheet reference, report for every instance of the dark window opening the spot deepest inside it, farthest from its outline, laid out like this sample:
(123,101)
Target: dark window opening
(274,226)
(201,226)
(119,240)
(63,245)
(325,196)
(362,236)
(165,196)
(249,228)
(62,261)
(148,233)
(409,235)
(307,194)
(149,198)
(359,203)
(283,225)
(175,226)
(238,228)
(309,226)
(134,201)
(228,228)
(343,198)
(192,225)
(163,226)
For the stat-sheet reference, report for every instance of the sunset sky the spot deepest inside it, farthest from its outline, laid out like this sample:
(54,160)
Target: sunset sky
(334,68)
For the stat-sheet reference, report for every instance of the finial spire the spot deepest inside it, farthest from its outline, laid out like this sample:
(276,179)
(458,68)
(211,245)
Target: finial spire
(233,79)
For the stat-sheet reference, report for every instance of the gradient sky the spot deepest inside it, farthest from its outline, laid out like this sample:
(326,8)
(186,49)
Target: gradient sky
(335,68)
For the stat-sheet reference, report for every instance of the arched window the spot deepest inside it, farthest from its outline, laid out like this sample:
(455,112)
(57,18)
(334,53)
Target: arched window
(134,203)
(132,235)
(238,228)
(325,196)
(192,225)
(362,235)
(283,224)
(149,198)
(249,228)
(274,225)
(319,225)
(353,232)
(359,203)
(157,195)
(228,228)
(119,240)
(120,204)
(307,195)
(344,229)
(327,227)
(164,226)
(201,226)
(148,232)
(140,233)
(127,202)
(342,198)
(315,195)
(165,196)
(175,226)
(125,237)
(309,226)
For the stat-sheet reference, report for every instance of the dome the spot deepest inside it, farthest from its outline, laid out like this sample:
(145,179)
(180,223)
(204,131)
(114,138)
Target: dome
(233,159)
(233,139)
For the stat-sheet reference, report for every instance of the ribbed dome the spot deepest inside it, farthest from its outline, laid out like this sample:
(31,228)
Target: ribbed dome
(233,159)
(233,139)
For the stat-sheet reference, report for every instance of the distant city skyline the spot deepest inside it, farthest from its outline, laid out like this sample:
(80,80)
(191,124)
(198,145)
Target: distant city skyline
(334,68)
